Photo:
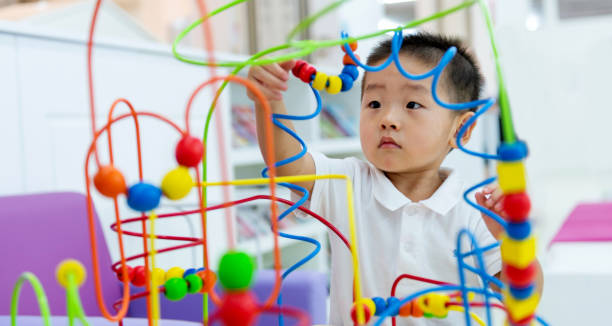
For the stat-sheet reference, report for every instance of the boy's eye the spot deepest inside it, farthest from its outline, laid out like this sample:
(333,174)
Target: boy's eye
(374,104)
(413,105)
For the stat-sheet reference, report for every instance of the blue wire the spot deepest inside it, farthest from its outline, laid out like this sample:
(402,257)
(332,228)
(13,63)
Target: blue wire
(489,213)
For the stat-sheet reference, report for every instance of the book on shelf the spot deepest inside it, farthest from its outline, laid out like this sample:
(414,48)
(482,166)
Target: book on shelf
(336,122)
(254,221)
(244,129)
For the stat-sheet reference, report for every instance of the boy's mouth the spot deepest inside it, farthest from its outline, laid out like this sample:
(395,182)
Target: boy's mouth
(388,142)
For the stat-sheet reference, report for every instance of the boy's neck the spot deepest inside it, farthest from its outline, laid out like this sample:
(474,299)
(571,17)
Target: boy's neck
(419,185)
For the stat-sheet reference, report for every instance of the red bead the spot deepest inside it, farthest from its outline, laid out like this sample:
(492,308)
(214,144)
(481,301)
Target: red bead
(520,277)
(109,181)
(347,60)
(130,272)
(516,206)
(366,313)
(306,73)
(353,46)
(238,309)
(189,151)
(139,278)
(298,67)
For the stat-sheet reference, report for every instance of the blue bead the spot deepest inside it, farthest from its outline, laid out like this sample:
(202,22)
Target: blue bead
(380,304)
(347,82)
(519,231)
(351,70)
(200,269)
(392,301)
(189,271)
(143,197)
(522,293)
(512,152)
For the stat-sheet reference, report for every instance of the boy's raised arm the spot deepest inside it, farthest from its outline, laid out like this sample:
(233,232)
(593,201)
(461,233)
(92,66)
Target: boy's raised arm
(272,81)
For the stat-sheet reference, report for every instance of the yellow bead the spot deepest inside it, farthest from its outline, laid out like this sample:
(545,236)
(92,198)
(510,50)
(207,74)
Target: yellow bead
(335,85)
(70,267)
(174,272)
(511,177)
(368,303)
(519,309)
(159,276)
(320,81)
(518,253)
(437,304)
(177,183)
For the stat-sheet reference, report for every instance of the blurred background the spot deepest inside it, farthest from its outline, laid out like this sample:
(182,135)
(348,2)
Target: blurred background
(555,56)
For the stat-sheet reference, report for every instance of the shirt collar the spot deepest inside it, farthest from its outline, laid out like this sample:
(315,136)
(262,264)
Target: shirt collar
(441,202)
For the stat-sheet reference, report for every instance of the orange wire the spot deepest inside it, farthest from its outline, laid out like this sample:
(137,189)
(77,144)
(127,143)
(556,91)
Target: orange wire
(92,236)
(269,139)
(92,109)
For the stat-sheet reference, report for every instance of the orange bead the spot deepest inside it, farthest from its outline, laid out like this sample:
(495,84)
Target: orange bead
(406,310)
(353,46)
(416,310)
(209,278)
(348,61)
(109,181)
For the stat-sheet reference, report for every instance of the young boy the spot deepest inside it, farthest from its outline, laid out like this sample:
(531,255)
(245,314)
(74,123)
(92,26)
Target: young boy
(408,209)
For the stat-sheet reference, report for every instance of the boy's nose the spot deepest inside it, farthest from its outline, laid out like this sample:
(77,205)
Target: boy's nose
(388,121)
(384,125)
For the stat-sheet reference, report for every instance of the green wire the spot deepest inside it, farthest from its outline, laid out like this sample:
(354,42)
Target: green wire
(41,297)
(73,302)
(311,19)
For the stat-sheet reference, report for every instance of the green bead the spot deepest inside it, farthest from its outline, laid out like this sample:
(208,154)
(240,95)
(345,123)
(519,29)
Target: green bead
(194,283)
(236,271)
(428,315)
(176,288)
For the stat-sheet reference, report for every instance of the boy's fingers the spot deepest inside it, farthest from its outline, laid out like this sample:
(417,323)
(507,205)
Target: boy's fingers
(287,65)
(277,71)
(267,79)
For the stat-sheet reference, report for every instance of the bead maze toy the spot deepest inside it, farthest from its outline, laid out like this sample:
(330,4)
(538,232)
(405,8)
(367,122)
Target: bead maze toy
(237,305)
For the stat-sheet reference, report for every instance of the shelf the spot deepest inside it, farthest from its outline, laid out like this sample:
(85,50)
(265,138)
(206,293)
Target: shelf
(311,229)
(338,146)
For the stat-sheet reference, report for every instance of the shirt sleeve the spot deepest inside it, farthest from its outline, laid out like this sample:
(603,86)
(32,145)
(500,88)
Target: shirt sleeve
(326,193)
(492,257)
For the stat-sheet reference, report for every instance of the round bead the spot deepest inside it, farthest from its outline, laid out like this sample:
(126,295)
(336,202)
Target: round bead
(139,278)
(512,152)
(320,81)
(520,277)
(189,151)
(143,197)
(346,60)
(174,272)
(130,273)
(194,283)
(175,289)
(393,301)
(380,305)
(177,183)
(519,231)
(353,46)
(522,293)
(347,82)
(307,72)
(238,308)
(70,267)
(366,312)
(335,85)
(406,309)
(236,271)
(109,181)
(189,271)
(516,206)
(437,304)
(200,269)
(159,276)
(416,309)
(209,278)
(299,64)
(527,321)
(351,70)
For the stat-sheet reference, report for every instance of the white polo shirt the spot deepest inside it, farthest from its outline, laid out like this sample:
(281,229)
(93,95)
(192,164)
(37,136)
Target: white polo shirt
(396,236)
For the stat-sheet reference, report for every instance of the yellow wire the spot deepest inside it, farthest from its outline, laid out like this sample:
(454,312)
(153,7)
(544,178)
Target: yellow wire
(474,315)
(154,286)
(351,213)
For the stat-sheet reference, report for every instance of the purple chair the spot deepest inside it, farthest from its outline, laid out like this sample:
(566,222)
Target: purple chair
(39,231)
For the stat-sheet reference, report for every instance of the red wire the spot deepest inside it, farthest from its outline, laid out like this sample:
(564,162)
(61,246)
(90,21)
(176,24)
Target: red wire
(416,278)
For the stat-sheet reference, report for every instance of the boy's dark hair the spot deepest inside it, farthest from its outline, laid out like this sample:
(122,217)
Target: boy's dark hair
(462,72)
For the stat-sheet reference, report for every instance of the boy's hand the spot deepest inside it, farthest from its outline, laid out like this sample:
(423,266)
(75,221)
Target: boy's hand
(491,198)
(271,79)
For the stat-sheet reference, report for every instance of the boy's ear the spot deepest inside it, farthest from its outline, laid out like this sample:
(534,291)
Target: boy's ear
(458,124)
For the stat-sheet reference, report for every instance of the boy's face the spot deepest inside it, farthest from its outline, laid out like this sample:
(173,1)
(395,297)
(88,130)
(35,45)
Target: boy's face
(401,127)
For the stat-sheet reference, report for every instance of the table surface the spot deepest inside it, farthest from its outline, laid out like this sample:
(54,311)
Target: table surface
(93,321)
